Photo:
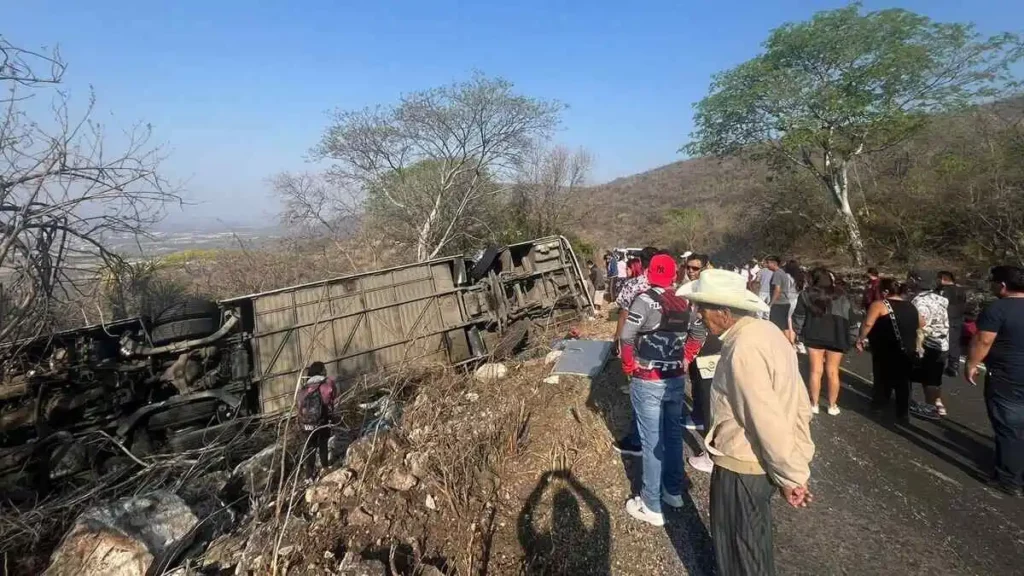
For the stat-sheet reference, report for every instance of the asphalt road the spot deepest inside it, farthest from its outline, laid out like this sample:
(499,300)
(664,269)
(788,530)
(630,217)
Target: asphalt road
(895,499)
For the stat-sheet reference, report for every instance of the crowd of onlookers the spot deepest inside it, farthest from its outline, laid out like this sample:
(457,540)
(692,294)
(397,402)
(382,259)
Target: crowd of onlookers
(733,335)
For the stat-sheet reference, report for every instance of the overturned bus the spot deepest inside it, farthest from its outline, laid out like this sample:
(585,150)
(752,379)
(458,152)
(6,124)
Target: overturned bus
(169,382)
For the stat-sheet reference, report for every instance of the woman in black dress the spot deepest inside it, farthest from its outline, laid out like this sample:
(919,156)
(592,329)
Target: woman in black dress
(891,330)
(821,320)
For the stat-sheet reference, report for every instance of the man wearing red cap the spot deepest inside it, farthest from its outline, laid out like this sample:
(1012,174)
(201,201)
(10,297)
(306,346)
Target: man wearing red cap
(653,341)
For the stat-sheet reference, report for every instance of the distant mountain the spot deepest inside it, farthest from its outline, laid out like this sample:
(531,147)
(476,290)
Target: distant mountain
(910,187)
(630,210)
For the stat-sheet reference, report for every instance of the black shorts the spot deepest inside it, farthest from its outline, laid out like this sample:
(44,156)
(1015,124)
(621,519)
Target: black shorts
(779,315)
(825,347)
(930,367)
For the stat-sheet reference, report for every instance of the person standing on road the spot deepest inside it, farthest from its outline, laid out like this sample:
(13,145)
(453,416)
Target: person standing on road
(597,280)
(759,437)
(612,270)
(890,328)
(764,281)
(653,342)
(822,321)
(1000,344)
(697,332)
(621,270)
(630,444)
(783,296)
(933,308)
(634,268)
(702,352)
(957,310)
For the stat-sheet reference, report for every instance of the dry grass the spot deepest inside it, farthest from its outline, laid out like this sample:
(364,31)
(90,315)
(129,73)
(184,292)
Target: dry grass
(28,534)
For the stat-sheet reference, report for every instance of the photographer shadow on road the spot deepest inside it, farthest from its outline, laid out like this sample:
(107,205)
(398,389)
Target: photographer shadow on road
(567,545)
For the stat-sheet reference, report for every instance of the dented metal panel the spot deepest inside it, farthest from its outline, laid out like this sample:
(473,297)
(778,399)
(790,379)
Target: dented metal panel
(427,313)
(354,325)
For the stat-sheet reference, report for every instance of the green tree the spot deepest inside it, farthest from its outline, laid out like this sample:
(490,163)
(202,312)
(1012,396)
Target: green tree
(846,84)
(426,161)
(463,203)
(685,224)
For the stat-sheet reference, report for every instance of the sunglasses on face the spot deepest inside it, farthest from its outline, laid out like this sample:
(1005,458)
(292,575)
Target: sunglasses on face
(694,268)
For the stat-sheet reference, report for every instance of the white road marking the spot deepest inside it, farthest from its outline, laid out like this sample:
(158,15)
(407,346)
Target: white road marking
(937,474)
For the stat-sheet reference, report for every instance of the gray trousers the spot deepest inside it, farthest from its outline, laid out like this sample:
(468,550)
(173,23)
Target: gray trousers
(741,523)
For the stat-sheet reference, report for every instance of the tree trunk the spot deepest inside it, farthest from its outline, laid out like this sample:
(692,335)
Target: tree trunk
(838,185)
(423,240)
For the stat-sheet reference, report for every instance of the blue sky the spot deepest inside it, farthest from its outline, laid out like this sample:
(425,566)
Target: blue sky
(239,91)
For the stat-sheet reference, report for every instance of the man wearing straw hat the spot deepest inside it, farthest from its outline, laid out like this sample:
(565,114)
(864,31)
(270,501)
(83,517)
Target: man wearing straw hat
(759,437)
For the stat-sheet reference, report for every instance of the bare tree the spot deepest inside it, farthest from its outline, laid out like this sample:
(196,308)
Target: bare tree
(29,68)
(549,190)
(312,203)
(65,198)
(317,209)
(426,163)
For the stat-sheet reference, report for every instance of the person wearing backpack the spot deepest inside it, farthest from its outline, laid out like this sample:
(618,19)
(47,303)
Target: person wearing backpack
(653,341)
(314,407)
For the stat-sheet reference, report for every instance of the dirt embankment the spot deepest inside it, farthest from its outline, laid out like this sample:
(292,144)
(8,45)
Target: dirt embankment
(499,476)
(509,476)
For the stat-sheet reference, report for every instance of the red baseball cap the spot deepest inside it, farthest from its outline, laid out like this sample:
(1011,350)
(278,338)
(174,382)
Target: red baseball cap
(662,271)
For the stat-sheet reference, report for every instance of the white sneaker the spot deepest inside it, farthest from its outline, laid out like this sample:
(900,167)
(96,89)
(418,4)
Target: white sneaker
(701,462)
(675,501)
(815,409)
(833,410)
(636,508)
(690,424)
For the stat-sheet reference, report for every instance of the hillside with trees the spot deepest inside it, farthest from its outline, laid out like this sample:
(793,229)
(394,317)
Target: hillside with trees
(953,190)
(872,134)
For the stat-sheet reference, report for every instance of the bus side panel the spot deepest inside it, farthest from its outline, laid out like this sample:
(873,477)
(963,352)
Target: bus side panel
(354,325)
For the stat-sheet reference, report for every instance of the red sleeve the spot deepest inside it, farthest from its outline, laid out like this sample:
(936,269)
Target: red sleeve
(628,359)
(691,349)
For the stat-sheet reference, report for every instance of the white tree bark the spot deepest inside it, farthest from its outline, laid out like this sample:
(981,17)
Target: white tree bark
(838,185)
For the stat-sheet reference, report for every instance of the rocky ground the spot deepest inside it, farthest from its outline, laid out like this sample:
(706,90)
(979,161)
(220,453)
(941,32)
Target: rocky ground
(516,475)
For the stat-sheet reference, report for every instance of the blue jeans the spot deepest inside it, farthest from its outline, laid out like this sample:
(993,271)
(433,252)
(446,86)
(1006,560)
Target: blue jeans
(1005,403)
(658,409)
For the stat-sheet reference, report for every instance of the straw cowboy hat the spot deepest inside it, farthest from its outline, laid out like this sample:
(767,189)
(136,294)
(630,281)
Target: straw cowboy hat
(722,288)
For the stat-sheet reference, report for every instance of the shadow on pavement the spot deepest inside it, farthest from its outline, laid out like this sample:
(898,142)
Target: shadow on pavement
(690,537)
(947,439)
(567,546)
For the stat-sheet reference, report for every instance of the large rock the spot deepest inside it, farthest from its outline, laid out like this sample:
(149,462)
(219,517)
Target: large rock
(491,372)
(401,480)
(357,455)
(126,537)
(418,464)
(225,552)
(261,473)
(354,565)
(330,488)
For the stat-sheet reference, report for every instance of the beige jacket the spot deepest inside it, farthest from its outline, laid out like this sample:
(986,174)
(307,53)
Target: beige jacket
(760,413)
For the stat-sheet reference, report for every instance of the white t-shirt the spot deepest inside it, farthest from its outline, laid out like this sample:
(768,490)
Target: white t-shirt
(621,267)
